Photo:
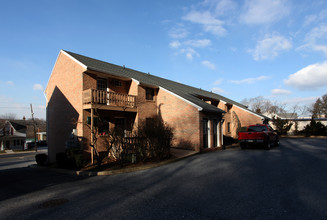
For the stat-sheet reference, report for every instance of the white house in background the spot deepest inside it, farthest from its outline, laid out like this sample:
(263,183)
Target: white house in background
(12,134)
(298,122)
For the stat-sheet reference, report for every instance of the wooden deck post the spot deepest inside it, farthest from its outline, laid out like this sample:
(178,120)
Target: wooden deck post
(92,136)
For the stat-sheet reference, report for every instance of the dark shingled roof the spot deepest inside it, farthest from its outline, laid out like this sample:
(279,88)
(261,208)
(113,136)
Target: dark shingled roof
(19,125)
(189,93)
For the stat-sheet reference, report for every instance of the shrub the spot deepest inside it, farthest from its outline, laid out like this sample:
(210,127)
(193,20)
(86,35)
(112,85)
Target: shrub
(61,159)
(74,158)
(315,128)
(282,126)
(158,136)
(71,158)
(229,140)
(41,159)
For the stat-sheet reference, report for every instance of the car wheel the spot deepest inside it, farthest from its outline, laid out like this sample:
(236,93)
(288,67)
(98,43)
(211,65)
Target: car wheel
(243,146)
(277,143)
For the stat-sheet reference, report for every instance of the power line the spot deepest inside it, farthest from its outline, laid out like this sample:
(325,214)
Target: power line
(16,107)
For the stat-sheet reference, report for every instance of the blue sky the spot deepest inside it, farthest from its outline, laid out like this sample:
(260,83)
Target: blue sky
(238,49)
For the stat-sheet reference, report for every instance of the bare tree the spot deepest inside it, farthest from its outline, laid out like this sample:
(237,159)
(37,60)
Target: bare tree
(261,105)
(8,116)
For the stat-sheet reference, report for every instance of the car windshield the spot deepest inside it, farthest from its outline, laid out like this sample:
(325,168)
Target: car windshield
(258,128)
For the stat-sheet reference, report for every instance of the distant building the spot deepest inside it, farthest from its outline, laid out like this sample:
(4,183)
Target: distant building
(299,123)
(12,134)
(15,133)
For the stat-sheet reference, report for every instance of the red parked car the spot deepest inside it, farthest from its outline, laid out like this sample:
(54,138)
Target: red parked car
(259,134)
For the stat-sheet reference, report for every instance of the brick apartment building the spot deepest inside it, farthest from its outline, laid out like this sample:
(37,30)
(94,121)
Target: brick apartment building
(81,88)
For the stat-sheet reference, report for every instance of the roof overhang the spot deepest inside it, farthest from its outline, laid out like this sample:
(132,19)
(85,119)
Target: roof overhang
(106,75)
(185,100)
(145,84)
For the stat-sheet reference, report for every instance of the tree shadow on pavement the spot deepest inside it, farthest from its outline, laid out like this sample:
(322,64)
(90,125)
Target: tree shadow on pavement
(20,181)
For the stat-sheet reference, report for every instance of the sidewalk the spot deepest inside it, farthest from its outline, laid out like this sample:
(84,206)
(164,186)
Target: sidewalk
(39,150)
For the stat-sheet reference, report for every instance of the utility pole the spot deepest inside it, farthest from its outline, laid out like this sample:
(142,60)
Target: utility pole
(34,128)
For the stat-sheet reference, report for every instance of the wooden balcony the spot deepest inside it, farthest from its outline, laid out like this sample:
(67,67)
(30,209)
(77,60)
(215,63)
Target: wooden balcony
(93,98)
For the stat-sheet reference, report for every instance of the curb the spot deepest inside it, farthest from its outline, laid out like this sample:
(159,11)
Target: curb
(303,137)
(112,172)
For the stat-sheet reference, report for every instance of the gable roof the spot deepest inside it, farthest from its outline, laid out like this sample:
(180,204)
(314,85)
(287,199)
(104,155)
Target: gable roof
(188,93)
(19,125)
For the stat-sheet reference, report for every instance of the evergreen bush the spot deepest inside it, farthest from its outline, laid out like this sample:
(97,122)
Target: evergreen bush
(41,159)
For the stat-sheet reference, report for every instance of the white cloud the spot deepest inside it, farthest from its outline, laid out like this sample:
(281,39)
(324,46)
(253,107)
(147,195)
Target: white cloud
(270,47)
(189,53)
(218,81)
(10,83)
(218,90)
(280,92)
(316,39)
(220,7)
(37,87)
(319,32)
(309,19)
(311,77)
(302,100)
(264,11)
(208,21)
(175,44)
(178,32)
(198,43)
(186,47)
(208,64)
(249,80)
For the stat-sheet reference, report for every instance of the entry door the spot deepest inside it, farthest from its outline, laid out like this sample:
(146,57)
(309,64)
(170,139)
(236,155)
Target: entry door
(102,85)
(206,133)
(120,126)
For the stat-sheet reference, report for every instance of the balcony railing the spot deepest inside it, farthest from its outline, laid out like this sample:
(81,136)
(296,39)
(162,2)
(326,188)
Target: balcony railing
(94,96)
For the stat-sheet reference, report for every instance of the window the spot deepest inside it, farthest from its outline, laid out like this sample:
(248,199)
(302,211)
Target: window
(149,94)
(102,84)
(103,128)
(257,128)
(117,83)
(228,127)
(228,107)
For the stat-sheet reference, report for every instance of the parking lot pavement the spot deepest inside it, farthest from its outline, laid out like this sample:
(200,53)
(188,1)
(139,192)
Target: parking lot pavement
(287,182)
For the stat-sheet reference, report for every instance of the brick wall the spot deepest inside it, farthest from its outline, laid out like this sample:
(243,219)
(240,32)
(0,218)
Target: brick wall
(64,103)
(145,108)
(246,118)
(182,117)
(119,86)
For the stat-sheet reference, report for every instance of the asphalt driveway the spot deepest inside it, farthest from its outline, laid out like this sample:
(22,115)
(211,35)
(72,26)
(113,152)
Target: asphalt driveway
(287,182)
